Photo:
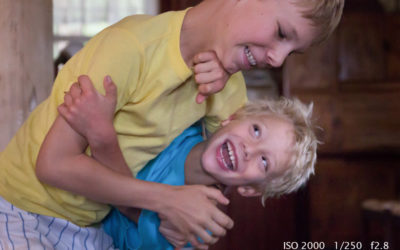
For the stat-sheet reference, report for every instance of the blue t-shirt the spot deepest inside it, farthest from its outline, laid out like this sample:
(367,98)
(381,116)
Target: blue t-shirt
(168,168)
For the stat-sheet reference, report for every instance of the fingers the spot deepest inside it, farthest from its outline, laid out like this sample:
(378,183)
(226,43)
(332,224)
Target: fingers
(195,243)
(209,73)
(68,99)
(173,237)
(223,220)
(86,84)
(208,89)
(200,98)
(75,90)
(210,77)
(63,111)
(206,237)
(216,229)
(205,57)
(216,195)
(110,88)
(219,217)
(207,66)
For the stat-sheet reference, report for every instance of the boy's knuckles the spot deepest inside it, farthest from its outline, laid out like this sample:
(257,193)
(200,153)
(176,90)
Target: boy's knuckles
(89,94)
(215,65)
(198,78)
(196,68)
(220,74)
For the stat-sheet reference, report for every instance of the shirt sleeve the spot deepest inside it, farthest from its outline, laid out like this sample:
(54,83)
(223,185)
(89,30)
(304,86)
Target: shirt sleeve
(115,52)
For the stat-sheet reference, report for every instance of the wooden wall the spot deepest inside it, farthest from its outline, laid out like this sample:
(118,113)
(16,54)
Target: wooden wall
(26,70)
(354,81)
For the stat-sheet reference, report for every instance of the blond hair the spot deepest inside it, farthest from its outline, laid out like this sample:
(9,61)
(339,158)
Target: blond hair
(304,152)
(323,14)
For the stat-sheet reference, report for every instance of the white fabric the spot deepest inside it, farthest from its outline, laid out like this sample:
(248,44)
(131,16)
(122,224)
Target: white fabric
(24,230)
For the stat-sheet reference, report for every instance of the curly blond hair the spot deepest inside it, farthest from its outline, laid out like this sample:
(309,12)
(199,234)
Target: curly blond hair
(304,152)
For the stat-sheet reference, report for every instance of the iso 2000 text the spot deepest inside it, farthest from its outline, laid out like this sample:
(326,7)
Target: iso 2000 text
(306,245)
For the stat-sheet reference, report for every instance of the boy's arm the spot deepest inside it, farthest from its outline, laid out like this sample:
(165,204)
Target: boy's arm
(91,115)
(63,165)
(80,112)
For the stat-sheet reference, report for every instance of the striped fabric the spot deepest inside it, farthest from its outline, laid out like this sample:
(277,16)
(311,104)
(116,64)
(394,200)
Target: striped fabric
(23,230)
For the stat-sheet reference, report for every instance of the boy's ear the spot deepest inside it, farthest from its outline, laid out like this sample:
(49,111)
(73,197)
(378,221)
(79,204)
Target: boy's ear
(227,121)
(248,191)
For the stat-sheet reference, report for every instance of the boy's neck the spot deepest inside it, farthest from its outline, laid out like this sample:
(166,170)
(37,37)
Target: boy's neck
(194,172)
(198,30)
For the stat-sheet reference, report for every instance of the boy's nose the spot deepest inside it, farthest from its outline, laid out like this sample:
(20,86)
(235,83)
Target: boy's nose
(276,57)
(250,149)
(244,150)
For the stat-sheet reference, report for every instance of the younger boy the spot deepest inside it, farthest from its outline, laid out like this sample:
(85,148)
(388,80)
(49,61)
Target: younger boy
(264,149)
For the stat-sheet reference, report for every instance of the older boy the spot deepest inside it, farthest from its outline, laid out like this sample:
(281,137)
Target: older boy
(265,148)
(150,59)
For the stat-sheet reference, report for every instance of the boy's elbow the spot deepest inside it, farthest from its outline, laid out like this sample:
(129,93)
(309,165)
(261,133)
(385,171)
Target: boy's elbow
(43,170)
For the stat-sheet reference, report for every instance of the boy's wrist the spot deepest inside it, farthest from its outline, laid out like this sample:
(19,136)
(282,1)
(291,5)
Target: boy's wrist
(161,198)
(101,140)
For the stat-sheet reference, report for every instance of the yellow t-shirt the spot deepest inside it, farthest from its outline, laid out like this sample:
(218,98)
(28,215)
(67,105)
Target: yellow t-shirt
(156,102)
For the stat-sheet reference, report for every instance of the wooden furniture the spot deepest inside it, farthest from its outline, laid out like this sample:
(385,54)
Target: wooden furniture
(385,213)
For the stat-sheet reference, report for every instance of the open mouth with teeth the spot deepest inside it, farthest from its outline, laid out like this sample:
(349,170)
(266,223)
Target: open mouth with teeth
(227,156)
(250,56)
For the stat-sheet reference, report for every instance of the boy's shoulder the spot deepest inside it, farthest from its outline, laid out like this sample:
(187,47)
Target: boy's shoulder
(152,26)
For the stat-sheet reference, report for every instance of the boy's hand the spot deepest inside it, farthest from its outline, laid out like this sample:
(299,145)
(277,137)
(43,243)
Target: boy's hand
(87,111)
(174,237)
(209,74)
(172,234)
(194,218)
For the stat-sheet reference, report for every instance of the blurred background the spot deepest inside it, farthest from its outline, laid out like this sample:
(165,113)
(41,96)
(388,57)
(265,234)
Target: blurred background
(353,80)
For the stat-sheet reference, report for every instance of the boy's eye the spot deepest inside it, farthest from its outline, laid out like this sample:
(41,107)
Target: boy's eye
(281,34)
(264,162)
(257,131)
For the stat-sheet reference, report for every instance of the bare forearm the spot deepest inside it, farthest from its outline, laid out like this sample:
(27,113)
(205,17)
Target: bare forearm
(64,166)
(89,178)
(107,151)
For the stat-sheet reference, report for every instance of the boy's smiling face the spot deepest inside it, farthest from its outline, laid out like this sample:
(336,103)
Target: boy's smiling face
(249,151)
(262,33)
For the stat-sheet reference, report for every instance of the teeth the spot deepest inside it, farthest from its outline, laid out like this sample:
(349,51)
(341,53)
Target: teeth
(231,154)
(250,56)
(223,159)
(231,164)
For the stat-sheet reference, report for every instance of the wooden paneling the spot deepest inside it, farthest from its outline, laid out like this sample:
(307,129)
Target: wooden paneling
(339,187)
(258,227)
(316,71)
(26,70)
(358,120)
(354,82)
(361,55)
(392,46)
(369,47)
